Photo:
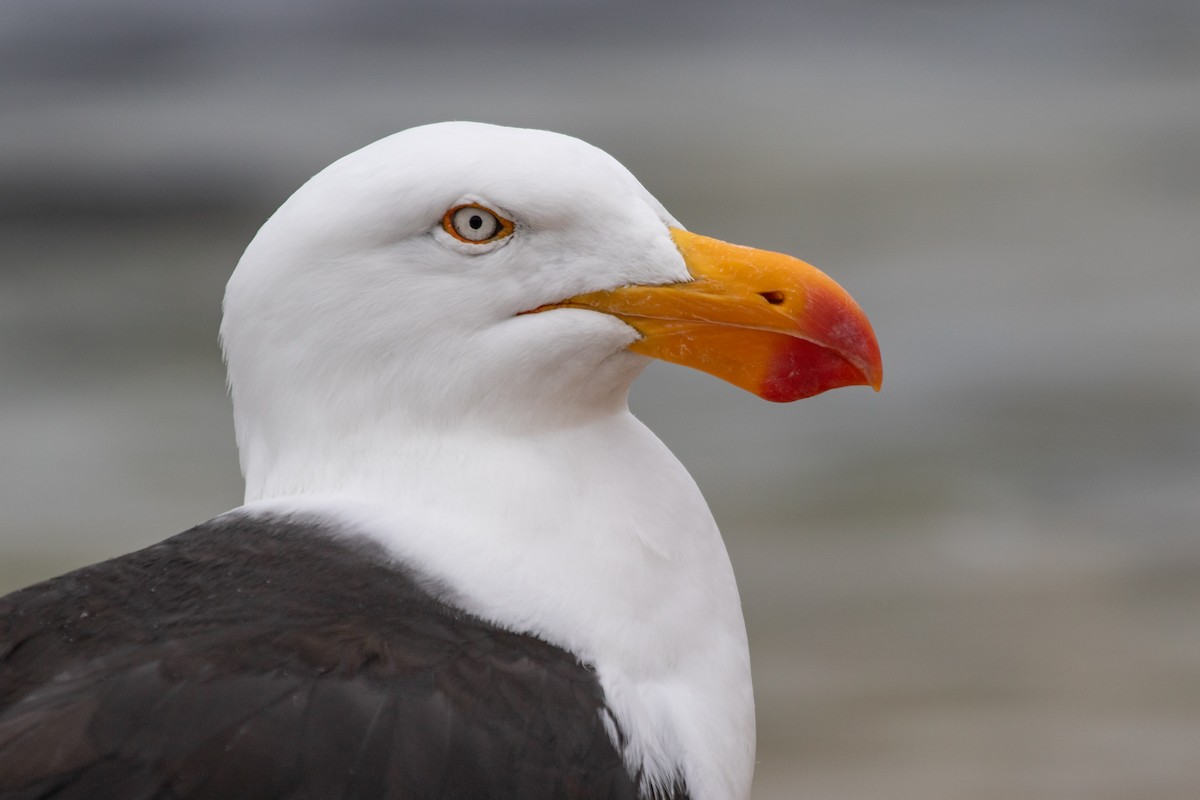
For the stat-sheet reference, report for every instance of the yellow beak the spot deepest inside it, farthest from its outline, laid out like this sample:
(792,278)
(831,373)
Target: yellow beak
(764,321)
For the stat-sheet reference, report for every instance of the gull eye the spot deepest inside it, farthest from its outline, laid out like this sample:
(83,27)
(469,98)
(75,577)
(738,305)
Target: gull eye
(475,224)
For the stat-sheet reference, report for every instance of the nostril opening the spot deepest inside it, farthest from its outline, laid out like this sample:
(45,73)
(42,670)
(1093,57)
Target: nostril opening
(774,298)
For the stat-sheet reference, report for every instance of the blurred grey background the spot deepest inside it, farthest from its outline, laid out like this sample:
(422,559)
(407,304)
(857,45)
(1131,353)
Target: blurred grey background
(983,582)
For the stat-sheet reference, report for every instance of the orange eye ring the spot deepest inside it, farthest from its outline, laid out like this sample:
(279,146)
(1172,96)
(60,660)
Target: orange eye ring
(475,224)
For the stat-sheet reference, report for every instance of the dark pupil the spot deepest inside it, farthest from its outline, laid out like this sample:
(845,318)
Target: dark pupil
(476,222)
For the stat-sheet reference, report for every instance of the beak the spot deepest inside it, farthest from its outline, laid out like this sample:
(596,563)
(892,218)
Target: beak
(764,321)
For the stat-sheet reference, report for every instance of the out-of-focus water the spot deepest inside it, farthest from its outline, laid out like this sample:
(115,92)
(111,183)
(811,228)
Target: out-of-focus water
(983,582)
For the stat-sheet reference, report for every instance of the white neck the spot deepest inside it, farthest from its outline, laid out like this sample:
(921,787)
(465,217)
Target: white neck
(591,536)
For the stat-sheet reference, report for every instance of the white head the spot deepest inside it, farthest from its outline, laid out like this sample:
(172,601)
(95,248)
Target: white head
(357,309)
(354,308)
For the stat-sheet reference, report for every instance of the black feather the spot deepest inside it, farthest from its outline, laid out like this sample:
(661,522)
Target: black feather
(261,658)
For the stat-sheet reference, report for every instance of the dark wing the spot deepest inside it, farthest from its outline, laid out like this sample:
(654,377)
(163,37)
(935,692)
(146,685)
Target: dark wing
(257,659)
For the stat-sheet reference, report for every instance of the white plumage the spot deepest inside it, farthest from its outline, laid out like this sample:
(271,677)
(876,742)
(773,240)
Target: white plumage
(384,373)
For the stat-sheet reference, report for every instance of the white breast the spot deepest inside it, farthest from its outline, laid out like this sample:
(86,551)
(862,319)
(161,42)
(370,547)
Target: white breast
(595,539)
